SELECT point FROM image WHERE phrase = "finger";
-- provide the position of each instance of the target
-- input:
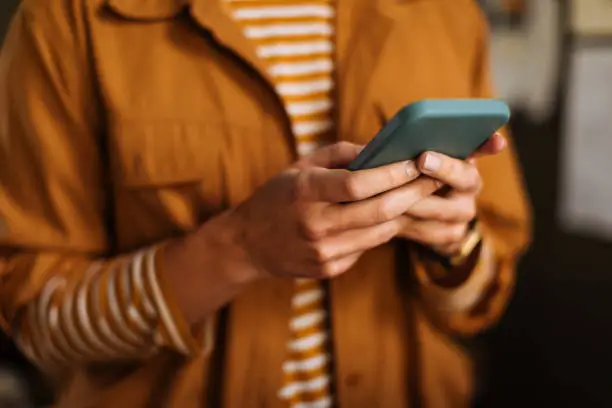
(459, 174)
(448, 250)
(351, 242)
(379, 209)
(452, 208)
(333, 268)
(434, 233)
(341, 186)
(337, 155)
(494, 145)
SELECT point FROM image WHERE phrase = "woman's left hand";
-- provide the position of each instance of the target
(441, 221)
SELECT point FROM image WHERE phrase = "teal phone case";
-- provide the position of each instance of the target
(454, 127)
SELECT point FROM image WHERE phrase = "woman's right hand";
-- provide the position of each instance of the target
(315, 219)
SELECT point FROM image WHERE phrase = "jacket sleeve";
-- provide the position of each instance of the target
(62, 297)
(505, 223)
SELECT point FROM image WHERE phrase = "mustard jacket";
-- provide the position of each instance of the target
(128, 122)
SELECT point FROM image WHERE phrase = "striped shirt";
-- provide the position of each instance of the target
(295, 40)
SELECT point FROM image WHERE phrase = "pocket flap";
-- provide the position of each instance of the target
(148, 153)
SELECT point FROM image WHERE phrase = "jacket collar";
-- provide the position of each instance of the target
(163, 9)
(147, 9)
(209, 14)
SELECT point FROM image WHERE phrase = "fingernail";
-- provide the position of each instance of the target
(432, 162)
(411, 169)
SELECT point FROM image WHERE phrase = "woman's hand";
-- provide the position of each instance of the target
(315, 220)
(441, 221)
(312, 220)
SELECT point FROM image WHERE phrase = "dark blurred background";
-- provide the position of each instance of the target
(554, 346)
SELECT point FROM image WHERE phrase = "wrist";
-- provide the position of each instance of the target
(206, 269)
(465, 295)
(220, 241)
(453, 270)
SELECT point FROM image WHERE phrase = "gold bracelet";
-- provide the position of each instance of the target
(470, 242)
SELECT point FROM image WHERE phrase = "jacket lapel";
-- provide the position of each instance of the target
(212, 16)
(370, 313)
(361, 31)
(209, 15)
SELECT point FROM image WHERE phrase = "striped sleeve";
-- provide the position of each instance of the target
(101, 311)
(478, 302)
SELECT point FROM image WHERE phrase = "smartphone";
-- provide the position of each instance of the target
(454, 127)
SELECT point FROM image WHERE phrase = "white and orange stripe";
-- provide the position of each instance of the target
(116, 310)
(295, 39)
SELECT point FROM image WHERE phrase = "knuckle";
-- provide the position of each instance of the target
(471, 210)
(391, 176)
(324, 271)
(351, 186)
(473, 178)
(321, 253)
(428, 187)
(387, 233)
(450, 167)
(438, 239)
(464, 210)
(446, 236)
(335, 149)
(454, 234)
(313, 231)
(459, 232)
(417, 191)
(329, 270)
(439, 213)
(309, 222)
(301, 185)
(420, 232)
(384, 210)
(342, 145)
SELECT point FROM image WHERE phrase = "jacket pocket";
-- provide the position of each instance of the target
(148, 153)
(168, 177)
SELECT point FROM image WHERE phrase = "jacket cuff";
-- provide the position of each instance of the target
(464, 297)
(173, 331)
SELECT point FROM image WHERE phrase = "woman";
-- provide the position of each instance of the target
(171, 203)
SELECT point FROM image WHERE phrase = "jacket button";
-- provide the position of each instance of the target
(352, 380)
